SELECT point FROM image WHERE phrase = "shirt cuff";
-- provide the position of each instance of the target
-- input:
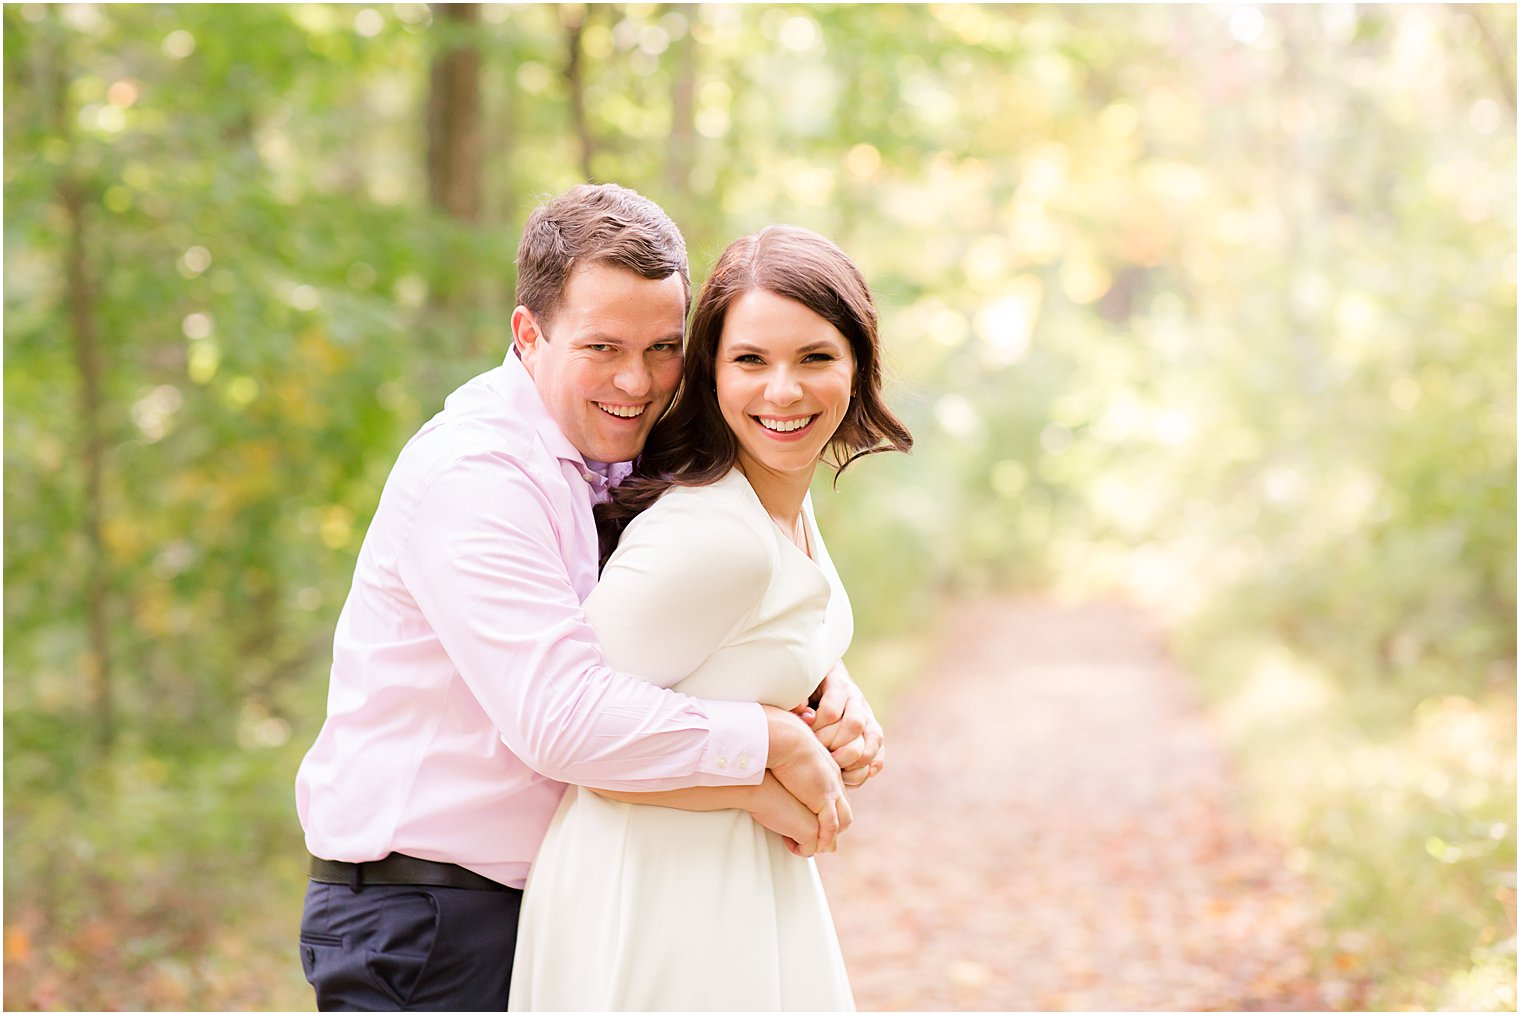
(739, 745)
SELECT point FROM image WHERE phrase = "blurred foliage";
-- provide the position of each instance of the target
(1210, 306)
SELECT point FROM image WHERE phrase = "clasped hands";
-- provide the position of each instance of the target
(831, 743)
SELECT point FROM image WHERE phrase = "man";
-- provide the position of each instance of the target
(466, 687)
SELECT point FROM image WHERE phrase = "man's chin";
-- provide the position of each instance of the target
(618, 451)
(613, 442)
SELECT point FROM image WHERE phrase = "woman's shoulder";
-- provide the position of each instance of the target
(728, 501)
(716, 516)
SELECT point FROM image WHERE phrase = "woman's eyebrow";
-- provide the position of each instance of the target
(822, 345)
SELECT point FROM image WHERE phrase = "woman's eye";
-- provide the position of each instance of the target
(748, 357)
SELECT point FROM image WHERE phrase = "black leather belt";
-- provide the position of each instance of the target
(400, 869)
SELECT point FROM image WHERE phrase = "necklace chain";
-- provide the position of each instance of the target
(798, 535)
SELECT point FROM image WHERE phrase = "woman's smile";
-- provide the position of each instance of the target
(790, 428)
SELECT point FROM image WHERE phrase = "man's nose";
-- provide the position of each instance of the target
(634, 378)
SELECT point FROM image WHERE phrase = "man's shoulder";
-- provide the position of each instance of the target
(480, 419)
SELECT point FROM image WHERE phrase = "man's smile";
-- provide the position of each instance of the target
(622, 411)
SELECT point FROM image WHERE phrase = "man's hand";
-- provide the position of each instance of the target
(804, 767)
(844, 723)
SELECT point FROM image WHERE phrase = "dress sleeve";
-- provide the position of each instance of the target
(483, 564)
(684, 578)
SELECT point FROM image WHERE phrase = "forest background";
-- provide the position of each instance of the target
(1208, 307)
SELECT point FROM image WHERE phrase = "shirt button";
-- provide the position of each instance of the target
(722, 762)
(744, 760)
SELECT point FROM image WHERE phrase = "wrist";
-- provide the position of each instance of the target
(753, 797)
(784, 733)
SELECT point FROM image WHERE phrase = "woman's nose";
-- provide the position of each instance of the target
(782, 388)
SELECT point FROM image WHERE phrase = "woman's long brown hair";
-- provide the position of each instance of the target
(692, 444)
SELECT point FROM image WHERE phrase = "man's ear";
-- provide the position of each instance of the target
(526, 336)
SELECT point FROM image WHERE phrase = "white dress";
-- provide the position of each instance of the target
(634, 907)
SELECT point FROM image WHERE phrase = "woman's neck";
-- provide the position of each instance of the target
(780, 493)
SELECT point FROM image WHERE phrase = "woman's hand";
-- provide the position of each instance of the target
(776, 809)
(844, 723)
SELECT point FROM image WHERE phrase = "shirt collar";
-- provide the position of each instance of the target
(522, 393)
(613, 472)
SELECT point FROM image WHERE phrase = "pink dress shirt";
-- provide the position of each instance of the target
(467, 688)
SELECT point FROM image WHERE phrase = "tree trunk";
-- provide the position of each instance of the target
(683, 101)
(88, 360)
(85, 336)
(454, 115)
(1497, 55)
(573, 17)
(1300, 179)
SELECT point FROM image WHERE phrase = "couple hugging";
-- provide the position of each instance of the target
(601, 641)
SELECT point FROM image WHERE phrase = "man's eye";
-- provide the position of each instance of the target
(666, 347)
(599, 347)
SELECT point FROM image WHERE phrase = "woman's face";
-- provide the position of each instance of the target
(784, 378)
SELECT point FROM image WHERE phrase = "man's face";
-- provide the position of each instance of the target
(609, 360)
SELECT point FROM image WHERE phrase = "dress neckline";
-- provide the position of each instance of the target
(804, 518)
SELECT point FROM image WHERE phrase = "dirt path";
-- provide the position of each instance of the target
(1057, 829)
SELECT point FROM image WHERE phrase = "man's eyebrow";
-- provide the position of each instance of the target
(601, 338)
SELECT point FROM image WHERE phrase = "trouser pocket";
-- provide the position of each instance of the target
(367, 951)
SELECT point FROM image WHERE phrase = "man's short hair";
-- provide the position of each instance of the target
(595, 223)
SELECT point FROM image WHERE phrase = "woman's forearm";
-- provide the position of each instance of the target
(695, 798)
(768, 803)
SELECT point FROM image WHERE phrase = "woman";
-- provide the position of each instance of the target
(720, 586)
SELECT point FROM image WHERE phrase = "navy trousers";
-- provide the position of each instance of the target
(409, 948)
